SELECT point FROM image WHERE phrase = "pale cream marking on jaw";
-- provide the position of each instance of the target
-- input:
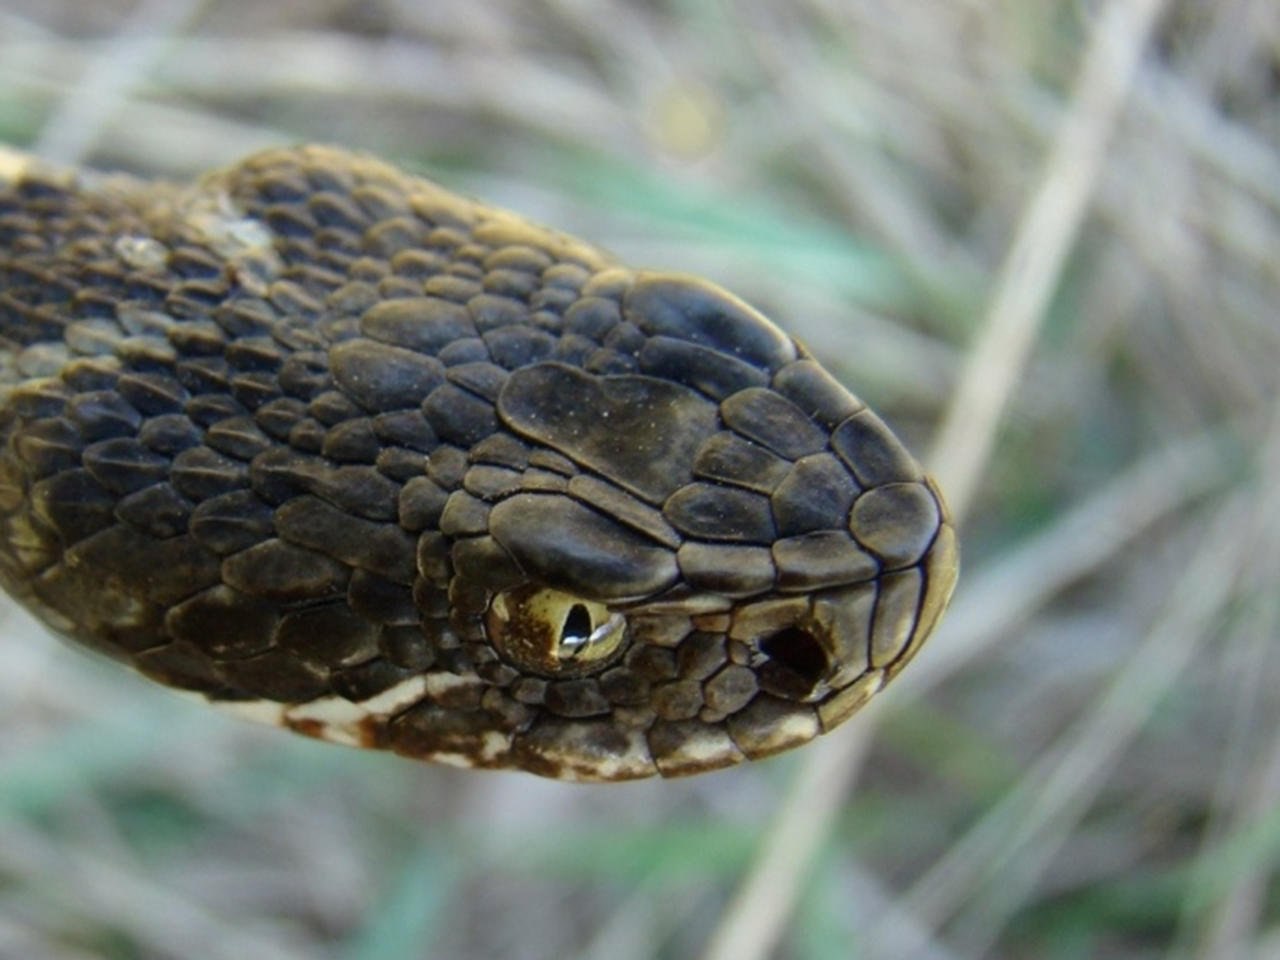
(848, 701)
(327, 710)
(797, 728)
(709, 749)
(440, 683)
(399, 697)
(632, 762)
(343, 738)
(259, 711)
(495, 745)
(607, 772)
(339, 720)
(628, 765)
(451, 759)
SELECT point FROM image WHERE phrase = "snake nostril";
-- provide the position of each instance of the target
(796, 662)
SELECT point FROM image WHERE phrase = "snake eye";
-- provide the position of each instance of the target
(551, 632)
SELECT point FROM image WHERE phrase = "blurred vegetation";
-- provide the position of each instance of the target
(1091, 767)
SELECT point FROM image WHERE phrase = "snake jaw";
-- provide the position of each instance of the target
(337, 449)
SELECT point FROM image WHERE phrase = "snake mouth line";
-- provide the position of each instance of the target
(803, 689)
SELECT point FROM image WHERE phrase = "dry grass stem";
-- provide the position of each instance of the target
(1045, 235)
(1094, 769)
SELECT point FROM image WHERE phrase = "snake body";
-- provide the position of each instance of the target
(330, 446)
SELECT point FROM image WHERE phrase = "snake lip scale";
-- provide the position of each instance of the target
(331, 447)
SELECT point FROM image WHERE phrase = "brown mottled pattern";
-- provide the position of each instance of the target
(300, 436)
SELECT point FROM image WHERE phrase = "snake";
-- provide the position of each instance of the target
(320, 442)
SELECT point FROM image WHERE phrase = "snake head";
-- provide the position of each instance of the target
(332, 447)
(695, 552)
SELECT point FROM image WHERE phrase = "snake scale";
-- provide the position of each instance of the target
(332, 447)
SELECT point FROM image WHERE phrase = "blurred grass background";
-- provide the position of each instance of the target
(1084, 762)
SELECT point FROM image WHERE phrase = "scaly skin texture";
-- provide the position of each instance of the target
(331, 446)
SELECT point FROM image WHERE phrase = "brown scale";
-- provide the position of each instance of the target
(341, 450)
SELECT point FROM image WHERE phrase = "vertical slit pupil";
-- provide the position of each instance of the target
(577, 626)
